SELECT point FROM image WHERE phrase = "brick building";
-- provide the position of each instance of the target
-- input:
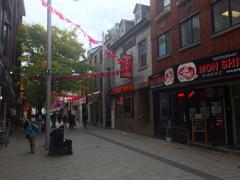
(11, 13)
(195, 85)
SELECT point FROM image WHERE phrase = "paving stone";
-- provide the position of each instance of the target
(101, 154)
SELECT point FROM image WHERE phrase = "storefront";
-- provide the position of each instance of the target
(94, 106)
(123, 96)
(199, 101)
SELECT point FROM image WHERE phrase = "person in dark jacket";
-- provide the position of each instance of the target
(84, 120)
(71, 119)
(53, 119)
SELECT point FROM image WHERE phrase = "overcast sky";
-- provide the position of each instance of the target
(94, 16)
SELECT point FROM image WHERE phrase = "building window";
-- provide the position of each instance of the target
(190, 31)
(164, 45)
(6, 39)
(1, 20)
(138, 15)
(142, 53)
(95, 60)
(163, 5)
(226, 13)
(101, 56)
(182, 2)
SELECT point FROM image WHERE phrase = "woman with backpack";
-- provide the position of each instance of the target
(31, 134)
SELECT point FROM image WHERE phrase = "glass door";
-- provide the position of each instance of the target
(237, 119)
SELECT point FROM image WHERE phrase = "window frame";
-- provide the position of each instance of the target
(161, 7)
(140, 64)
(95, 59)
(138, 15)
(229, 9)
(192, 38)
(1, 24)
(6, 40)
(168, 49)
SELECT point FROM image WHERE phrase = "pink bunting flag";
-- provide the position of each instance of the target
(68, 20)
(60, 15)
(44, 3)
(106, 52)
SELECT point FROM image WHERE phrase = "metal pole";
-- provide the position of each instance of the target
(103, 84)
(49, 71)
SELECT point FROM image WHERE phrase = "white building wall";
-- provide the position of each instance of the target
(141, 76)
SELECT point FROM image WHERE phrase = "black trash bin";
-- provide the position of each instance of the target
(57, 144)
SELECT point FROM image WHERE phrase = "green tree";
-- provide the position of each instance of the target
(67, 56)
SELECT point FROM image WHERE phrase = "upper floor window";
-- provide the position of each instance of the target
(164, 44)
(163, 5)
(122, 29)
(226, 13)
(95, 60)
(142, 52)
(101, 56)
(138, 15)
(190, 31)
(1, 20)
(6, 39)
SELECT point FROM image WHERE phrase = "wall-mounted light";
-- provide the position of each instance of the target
(1, 98)
(234, 14)
(181, 94)
(11, 72)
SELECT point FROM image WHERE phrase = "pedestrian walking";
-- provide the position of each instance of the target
(71, 119)
(26, 123)
(53, 119)
(65, 120)
(31, 134)
(84, 120)
(59, 117)
(39, 121)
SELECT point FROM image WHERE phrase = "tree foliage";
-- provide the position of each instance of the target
(67, 56)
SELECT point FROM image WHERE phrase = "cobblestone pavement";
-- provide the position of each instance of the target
(110, 154)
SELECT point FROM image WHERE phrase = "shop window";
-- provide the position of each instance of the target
(165, 110)
(164, 45)
(142, 53)
(190, 31)
(226, 13)
(119, 105)
(128, 107)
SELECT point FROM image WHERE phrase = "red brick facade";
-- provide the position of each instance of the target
(210, 43)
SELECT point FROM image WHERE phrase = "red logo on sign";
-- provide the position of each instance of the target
(187, 72)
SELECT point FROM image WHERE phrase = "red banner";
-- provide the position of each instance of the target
(126, 66)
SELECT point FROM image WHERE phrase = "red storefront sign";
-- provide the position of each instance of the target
(126, 66)
(123, 89)
(223, 65)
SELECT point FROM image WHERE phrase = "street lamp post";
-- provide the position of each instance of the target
(49, 76)
(103, 84)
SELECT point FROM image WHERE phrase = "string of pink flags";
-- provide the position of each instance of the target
(53, 10)
(124, 61)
